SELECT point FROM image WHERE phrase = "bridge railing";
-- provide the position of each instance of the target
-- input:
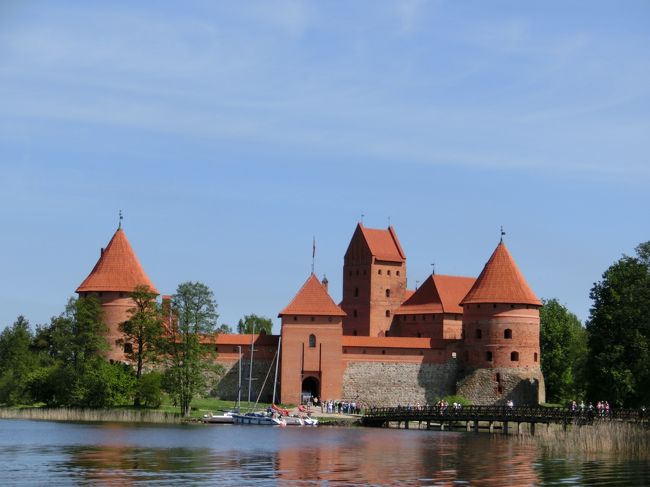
(517, 413)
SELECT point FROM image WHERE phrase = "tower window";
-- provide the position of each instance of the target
(313, 318)
(535, 356)
(128, 348)
(507, 334)
(419, 335)
(312, 341)
(354, 313)
(397, 272)
(379, 272)
(424, 317)
(494, 305)
(354, 332)
(295, 318)
(514, 356)
(388, 293)
(356, 292)
(488, 356)
(479, 334)
(387, 313)
(388, 272)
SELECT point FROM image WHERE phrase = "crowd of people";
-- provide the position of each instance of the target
(602, 408)
(336, 406)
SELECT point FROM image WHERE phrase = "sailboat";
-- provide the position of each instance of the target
(269, 418)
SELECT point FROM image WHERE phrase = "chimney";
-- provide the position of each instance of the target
(325, 282)
(101, 251)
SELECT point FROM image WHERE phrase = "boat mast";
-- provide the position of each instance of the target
(277, 362)
(239, 384)
(250, 372)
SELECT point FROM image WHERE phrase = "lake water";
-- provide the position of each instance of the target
(52, 454)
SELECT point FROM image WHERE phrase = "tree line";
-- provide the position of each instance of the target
(63, 364)
(609, 358)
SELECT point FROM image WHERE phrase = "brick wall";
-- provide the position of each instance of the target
(524, 386)
(392, 384)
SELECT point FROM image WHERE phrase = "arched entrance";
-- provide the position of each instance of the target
(310, 388)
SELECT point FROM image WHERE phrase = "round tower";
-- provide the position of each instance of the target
(501, 351)
(114, 277)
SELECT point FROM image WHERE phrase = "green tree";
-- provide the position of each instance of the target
(16, 361)
(142, 331)
(254, 324)
(563, 343)
(223, 328)
(78, 335)
(194, 326)
(618, 363)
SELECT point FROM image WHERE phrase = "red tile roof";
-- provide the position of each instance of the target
(312, 299)
(117, 269)
(501, 282)
(383, 244)
(452, 290)
(438, 294)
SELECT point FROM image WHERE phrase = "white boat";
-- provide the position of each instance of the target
(225, 418)
(309, 421)
(258, 418)
(293, 421)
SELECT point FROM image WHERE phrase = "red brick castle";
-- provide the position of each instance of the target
(383, 344)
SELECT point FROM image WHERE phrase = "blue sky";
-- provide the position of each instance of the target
(231, 135)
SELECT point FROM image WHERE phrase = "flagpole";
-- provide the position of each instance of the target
(313, 253)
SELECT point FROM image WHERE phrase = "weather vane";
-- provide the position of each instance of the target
(502, 233)
(362, 215)
(433, 269)
(121, 218)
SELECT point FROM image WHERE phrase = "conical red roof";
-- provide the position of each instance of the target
(117, 269)
(501, 282)
(312, 299)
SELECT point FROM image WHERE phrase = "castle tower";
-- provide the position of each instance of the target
(311, 345)
(374, 281)
(501, 336)
(114, 277)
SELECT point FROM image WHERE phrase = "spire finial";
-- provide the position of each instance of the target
(433, 269)
(120, 222)
(313, 253)
(502, 234)
(417, 283)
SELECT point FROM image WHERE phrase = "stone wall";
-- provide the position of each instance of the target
(524, 386)
(226, 386)
(392, 384)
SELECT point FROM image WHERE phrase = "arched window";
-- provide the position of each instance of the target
(514, 356)
(507, 334)
(387, 313)
(488, 356)
(312, 340)
(388, 293)
(535, 356)
(379, 272)
(479, 334)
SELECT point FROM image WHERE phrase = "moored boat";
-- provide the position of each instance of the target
(225, 418)
(258, 418)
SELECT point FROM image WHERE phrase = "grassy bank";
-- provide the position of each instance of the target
(118, 415)
(617, 438)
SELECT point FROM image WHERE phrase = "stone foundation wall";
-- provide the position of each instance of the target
(524, 386)
(392, 384)
(225, 387)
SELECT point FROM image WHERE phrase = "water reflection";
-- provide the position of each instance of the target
(64, 453)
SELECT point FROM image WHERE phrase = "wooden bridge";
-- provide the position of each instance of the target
(491, 417)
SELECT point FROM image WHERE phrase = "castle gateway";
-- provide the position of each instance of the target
(383, 344)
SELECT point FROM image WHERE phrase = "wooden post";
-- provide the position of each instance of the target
(532, 429)
(504, 427)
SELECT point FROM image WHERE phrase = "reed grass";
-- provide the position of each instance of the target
(612, 437)
(91, 415)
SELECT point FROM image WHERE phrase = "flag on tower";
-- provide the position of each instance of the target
(313, 248)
